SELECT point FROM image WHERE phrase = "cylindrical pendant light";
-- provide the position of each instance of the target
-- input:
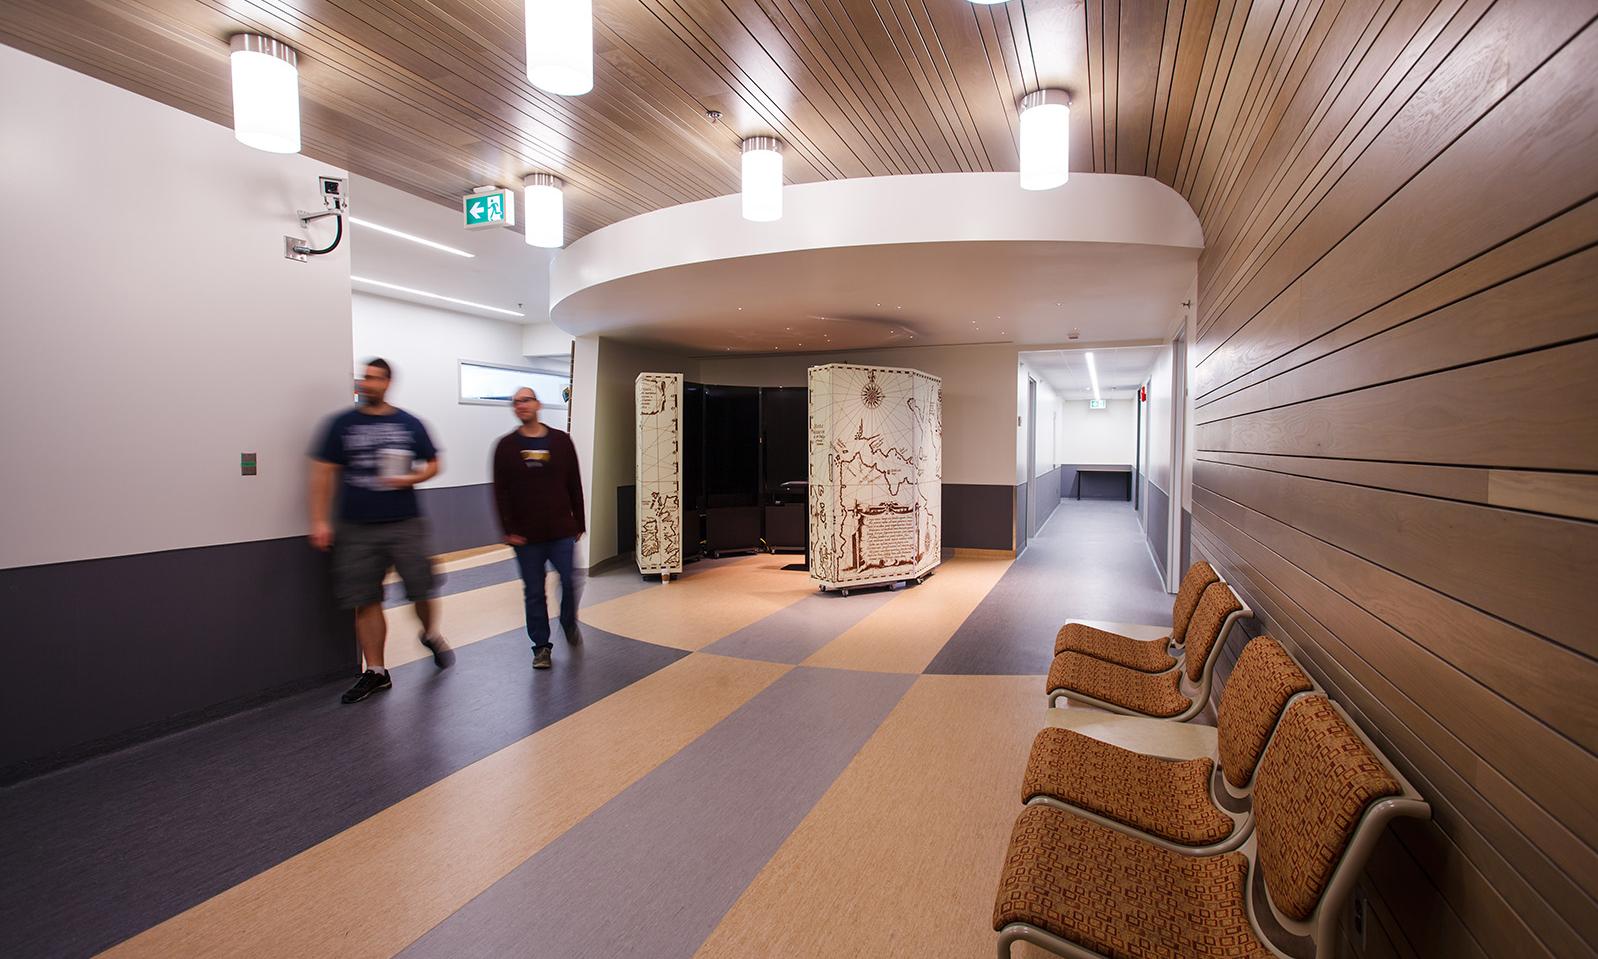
(546, 210)
(762, 179)
(560, 45)
(266, 94)
(1045, 139)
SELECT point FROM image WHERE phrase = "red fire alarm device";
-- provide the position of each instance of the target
(1142, 394)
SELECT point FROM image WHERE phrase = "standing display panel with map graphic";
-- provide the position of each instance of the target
(659, 410)
(876, 475)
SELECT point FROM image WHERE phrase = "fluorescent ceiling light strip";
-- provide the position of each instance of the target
(434, 296)
(406, 236)
(1093, 376)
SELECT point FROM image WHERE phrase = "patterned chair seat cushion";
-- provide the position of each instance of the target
(1152, 694)
(1122, 896)
(1144, 655)
(1163, 797)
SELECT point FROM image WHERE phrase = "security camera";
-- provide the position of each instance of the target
(335, 192)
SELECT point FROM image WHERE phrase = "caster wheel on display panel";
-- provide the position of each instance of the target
(845, 592)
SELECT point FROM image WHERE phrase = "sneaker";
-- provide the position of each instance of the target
(573, 634)
(541, 658)
(370, 682)
(443, 656)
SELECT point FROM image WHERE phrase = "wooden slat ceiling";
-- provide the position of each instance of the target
(431, 97)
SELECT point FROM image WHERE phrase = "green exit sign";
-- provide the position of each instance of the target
(1095, 404)
(493, 207)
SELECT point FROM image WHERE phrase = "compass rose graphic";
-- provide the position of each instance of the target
(871, 394)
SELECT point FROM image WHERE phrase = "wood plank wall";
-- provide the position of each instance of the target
(1396, 389)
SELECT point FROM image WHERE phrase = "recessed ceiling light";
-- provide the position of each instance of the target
(368, 224)
(433, 296)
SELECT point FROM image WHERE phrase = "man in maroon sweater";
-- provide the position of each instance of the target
(540, 498)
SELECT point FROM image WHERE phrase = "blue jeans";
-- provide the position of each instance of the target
(532, 559)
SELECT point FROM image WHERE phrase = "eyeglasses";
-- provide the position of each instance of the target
(525, 399)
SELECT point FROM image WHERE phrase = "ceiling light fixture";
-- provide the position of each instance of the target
(560, 46)
(1045, 139)
(762, 179)
(266, 93)
(433, 296)
(368, 224)
(1093, 375)
(546, 210)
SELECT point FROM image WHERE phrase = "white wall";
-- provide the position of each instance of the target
(585, 434)
(1158, 467)
(979, 408)
(1107, 436)
(424, 344)
(153, 330)
(1048, 429)
(1043, 430)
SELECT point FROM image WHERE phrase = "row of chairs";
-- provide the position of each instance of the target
(1247, 846)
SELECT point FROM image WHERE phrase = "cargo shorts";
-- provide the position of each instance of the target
(364, 552)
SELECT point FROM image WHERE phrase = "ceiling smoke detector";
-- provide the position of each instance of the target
(1074, 335)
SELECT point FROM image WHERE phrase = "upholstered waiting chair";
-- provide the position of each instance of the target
(1323, 797)
(1170, 802)
(1118, 689)
(1150, 651)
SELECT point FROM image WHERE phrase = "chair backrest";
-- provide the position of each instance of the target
(1197, 578)
(1217, 603)
(1262, 682)
(1315, 784)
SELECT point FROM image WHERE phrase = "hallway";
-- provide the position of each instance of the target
(724, 770)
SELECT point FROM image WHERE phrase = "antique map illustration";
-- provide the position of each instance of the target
(876, 473)
(658, 398)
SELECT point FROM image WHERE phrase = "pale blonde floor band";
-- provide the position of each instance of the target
(464, 618)
(713, 599)
(463, 559)
(902, 855)
(903, 634)
(376, 887)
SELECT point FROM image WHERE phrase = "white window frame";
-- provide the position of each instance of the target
(460, 383)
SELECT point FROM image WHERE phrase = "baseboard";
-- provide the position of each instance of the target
(975, 553)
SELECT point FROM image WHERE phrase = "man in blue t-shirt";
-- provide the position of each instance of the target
(370, 455)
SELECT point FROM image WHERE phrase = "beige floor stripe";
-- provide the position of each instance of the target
(465, 618)
(901, 857)
(714, 598)
(905, 633)
(378, 886)
(465, 559)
